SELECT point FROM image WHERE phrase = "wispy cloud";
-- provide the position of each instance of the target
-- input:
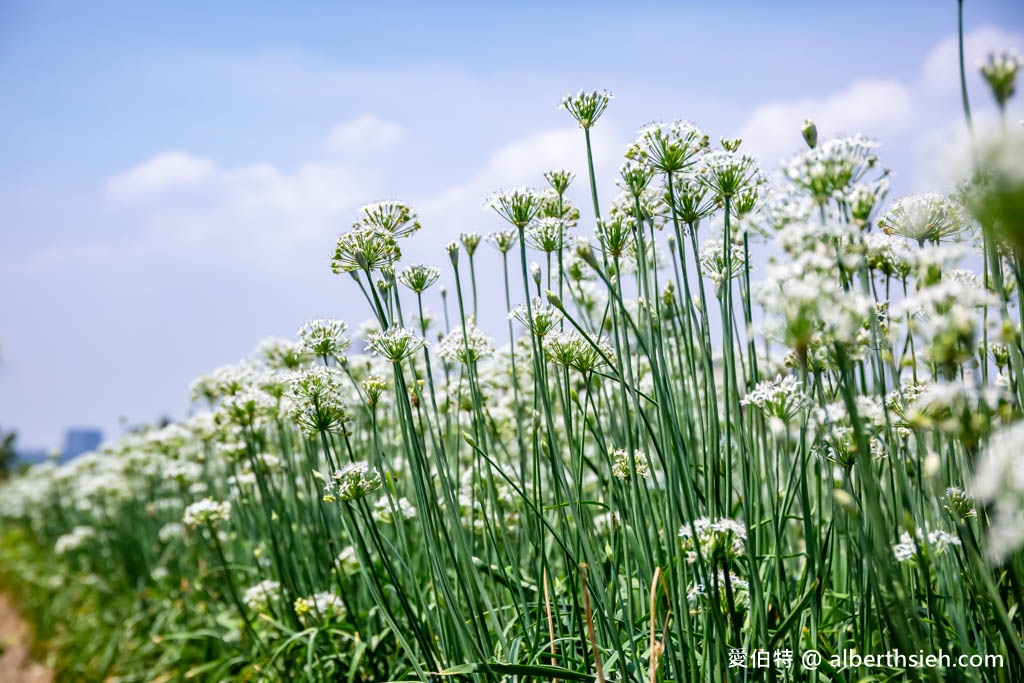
(925, 112)
(166, 171)
(460, 207)
(192, 208)
(365, 134)
(881, 108)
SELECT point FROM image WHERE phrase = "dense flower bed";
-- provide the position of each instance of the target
(675, 453)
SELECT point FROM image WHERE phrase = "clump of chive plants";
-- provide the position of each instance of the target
(665, 457)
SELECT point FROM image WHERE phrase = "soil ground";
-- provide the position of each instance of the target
(16, 665)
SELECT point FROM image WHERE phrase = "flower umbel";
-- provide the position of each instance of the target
(586, 107)
(503, 240)
(547, 235)
(728, 173)
(927, 217)
(559, 180)
(468, 347)
(366, 249)
(781, 397)
(719, 539)
(518, 207)
(351, 482)
(396, 344)
(544, 316)
(208, 511)
(1000, 72)
(317, 401)
(324, 337)
(571, 349)
(625, 466)
(258, 598)
(910, 546)
(668, 147)
(390, 216)
(419, 277)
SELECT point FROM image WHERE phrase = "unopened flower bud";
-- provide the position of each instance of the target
(810, 133)
(845, 501)
(731, 144)
(453, 252)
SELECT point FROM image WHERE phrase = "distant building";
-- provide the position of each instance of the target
(78, 441)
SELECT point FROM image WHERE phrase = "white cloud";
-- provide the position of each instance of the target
(195, 209)
(165, 171)
(522, 162)
(365, 134)
(925, 113)
(941, 71)
(258, 214)
(876, 108)
(262, 212)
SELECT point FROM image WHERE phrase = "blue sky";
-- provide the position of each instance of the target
(174, 174)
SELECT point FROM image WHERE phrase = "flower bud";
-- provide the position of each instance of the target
(810, 133)
(1000, 73)
(731, 144)
(845, 501)
(453, 253)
